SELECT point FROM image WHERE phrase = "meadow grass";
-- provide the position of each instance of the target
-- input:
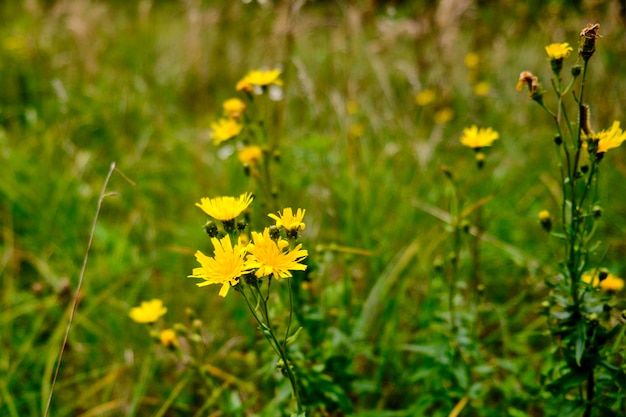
(84, 84)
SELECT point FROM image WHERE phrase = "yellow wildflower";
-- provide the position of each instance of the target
(234, 107)
(225, 208)
(272, 257)
(225, 129)
(558, 50)
(482, 89)
(288, 221)
(609, 138)
(225, 267)
(609, 283)
(250, 155)
(478, 138)
(444, 115)
(425, 97)
(148, 311)
(472, 60)
(168, 338)
(261, 78)
(352, 107)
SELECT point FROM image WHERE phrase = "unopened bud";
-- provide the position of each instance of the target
(211, 228)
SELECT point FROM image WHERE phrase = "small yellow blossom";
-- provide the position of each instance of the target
(272, 257)
(610, 283)
(352, 107)
(148, 311)
(544, 215)
(250, 155)
(234, 107)
(168, 338)
(356, 130)
(558, 50)
(444, 115)
(288, 220)
(225, 129)
(478, 138)
(472, 60)
(225, 267)
(482, 89)
(225, 208)
(261, 78)
(608, 138)
(425, 97)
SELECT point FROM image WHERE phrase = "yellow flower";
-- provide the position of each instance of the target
(234, 107)
(225, 267)
(225, 208)
(444, 115)
(352, 107)
(288, 221)
(425, 97)
(148, 311)
(168, 338)
(356, 130)
(482, 89)
(250, 155)
(261, 78)
(609, 138)
(478, 138)
(544, 215)
(472, 60)
(225, 129)
(610, 283)
(558, 50)
(272, 257)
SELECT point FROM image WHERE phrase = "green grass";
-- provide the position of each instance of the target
(84, 84)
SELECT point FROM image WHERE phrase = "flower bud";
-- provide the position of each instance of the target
(558, 140)
(545, 219)
(597, 211)
(211, 228)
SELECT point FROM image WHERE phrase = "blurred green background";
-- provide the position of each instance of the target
(87, 83)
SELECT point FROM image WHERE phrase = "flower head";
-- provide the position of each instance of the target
(472, 60)
(482, 89)
(558, 50)
(148, 311)
(168, 338)
(225, 129)
(271, 257)
(444, 115)
(225, 267)
(288, 220)
(225, 208)
(609, 282)
(250, 155)
(261, 78)
(234, 107)
(478, 138)
(608, 138)
(425, 97)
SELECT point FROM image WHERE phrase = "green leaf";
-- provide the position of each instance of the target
(294, 337)
(581, 337)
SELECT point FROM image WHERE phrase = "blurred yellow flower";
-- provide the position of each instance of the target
(425, 97)
(482, 89)
(225, 267)
(168, 338)
(472, 60)
(288, 220)
(356, 130)
(224, 129)
(261, 78)
(234, 107)
(610, 283)
(444, 115)
(148, 311)
(478, 138)
(250, 155)
(352, 107)
(272, 258)
(558, 50)
(609, 138)
(225, 208)
(544, 215)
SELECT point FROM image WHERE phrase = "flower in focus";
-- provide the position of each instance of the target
(225, 208)
(425, 97)
(444, 115)
(234, 107)
(225, 267)
(168, 338)
(261, 78)
(272, 257)
(148, 311)
(558, 50)
(478, 138)
(288, 221)
(225, 129)
(250, 155)
(609, 283)
(608, 138)
(482, 89)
